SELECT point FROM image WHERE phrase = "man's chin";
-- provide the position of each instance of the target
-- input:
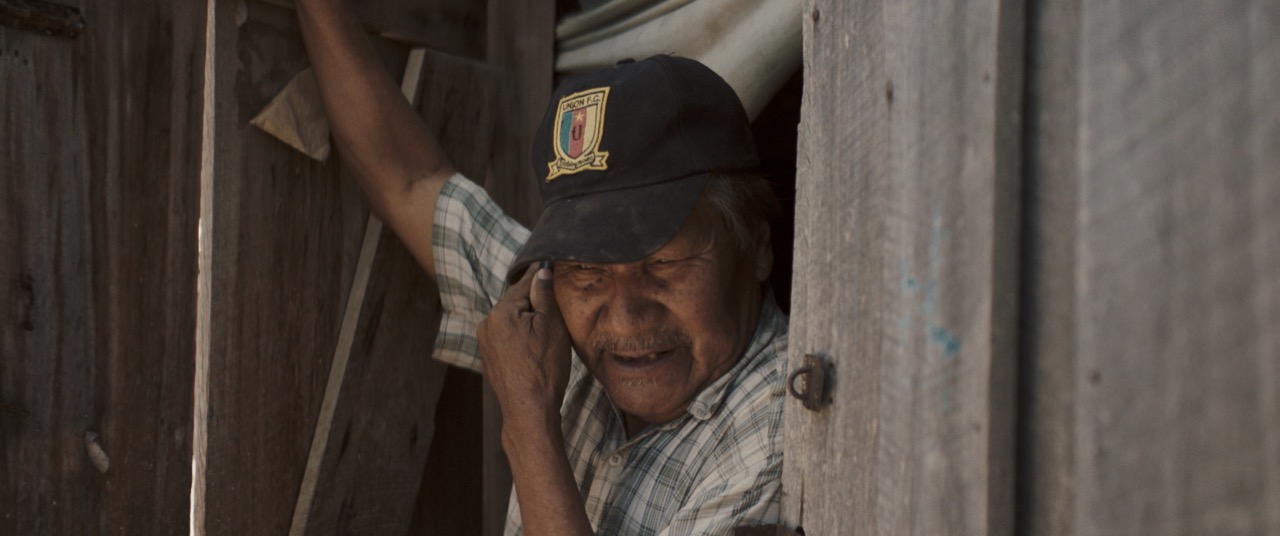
(652, 408)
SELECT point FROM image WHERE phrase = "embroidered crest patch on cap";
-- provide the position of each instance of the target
(674, 123)
(578, 128)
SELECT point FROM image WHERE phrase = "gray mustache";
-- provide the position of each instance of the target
(650, 341)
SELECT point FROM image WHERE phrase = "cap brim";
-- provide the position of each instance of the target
(610, 227)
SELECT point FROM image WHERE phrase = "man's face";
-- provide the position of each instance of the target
(658, 330)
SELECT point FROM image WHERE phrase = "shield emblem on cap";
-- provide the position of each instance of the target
(578, 129)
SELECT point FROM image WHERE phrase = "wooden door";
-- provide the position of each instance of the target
(98, 209)
(905, 274)
(1108, 231)
(1152, 316)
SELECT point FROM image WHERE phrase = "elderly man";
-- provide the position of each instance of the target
(648, 264)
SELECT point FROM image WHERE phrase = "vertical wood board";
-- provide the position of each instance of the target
(521, 48)
(46, 340)
(285, 234)
(905, 268)
(1178, 387)
(97, 226)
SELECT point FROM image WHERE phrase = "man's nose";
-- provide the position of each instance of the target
(632, 307)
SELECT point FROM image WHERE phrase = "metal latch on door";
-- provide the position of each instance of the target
(811, 383)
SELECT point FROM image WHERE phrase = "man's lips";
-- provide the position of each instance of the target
(642, 359)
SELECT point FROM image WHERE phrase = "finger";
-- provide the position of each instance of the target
(520, 289)
(542, 293)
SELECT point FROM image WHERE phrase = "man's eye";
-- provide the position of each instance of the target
(579, 270)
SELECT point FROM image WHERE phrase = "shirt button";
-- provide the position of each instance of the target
(615, 460)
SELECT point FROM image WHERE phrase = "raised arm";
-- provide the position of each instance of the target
(384, 142)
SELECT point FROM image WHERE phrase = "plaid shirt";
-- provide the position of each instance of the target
(716, 467)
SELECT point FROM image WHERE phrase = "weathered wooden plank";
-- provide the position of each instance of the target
(46, 340)
(97, 226)
(459, 104)
(283, 232)
(385, 419)
(905, 267)
(145, 324)
(521, 46)
(1177, 415)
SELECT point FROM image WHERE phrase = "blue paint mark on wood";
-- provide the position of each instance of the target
(937, 335)
(947, 340)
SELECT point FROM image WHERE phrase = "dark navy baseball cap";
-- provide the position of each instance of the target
(623, 154)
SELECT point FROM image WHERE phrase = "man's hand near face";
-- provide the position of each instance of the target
(525, 351)
(526, 358)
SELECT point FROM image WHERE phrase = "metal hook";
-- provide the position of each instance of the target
(816, 372)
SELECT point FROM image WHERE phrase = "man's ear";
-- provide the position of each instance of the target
(764, 251)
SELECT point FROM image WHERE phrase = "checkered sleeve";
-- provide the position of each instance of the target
(473, 243)
(743, 486)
